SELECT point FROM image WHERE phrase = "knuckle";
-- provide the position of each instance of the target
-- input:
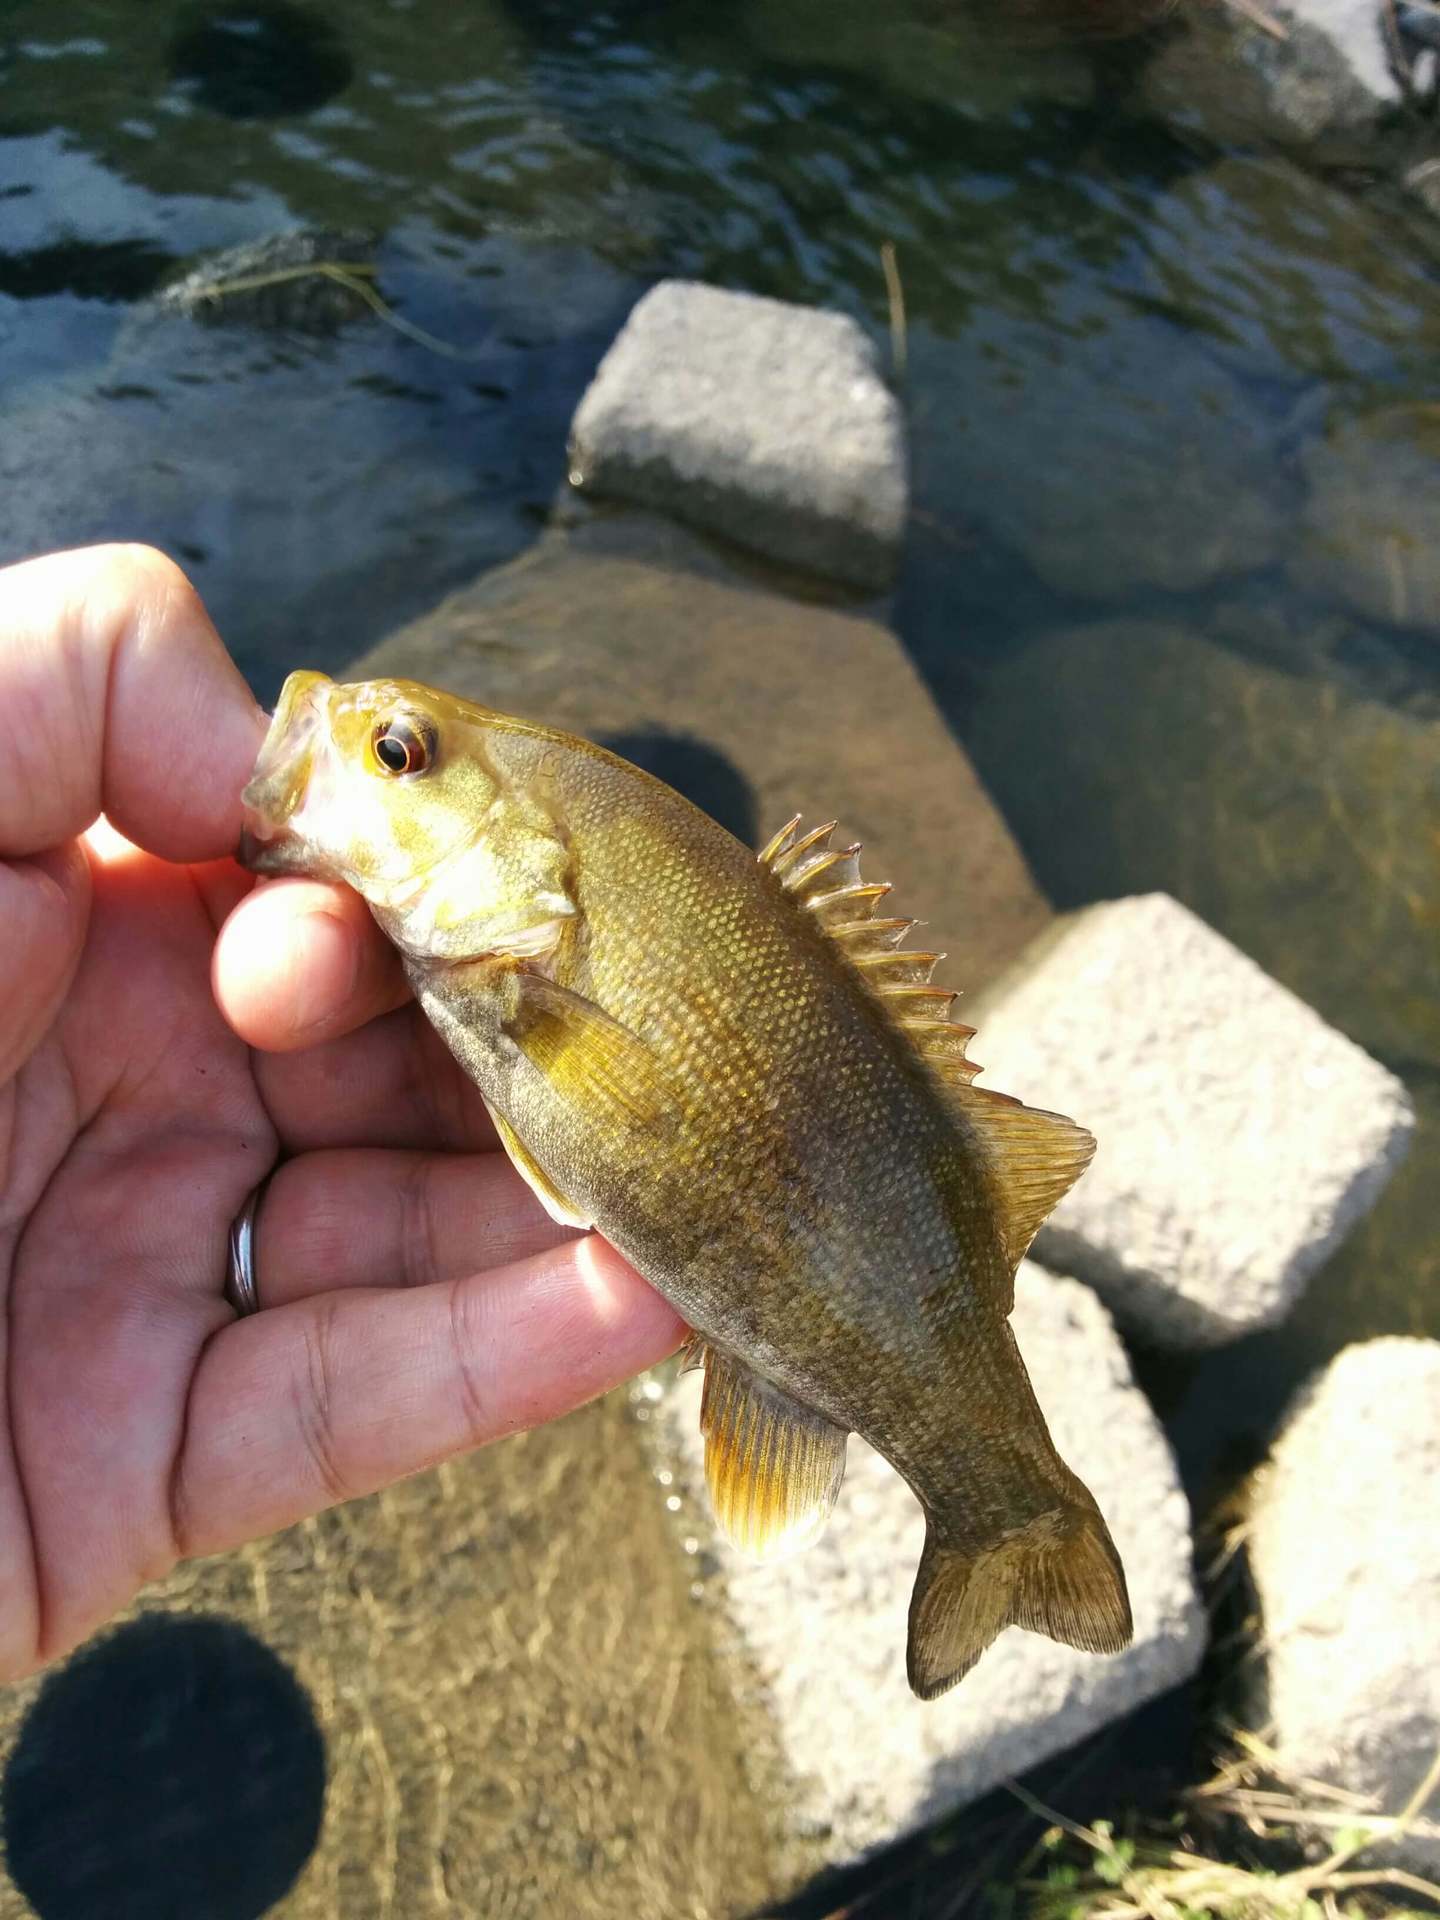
(315, 1405)
(419, 1259)
(477, 1414)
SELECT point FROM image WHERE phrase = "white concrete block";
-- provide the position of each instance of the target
(1345, 1554)
(765, 422)
(1239, 1135)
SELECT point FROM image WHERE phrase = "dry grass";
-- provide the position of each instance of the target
(1093, 1873)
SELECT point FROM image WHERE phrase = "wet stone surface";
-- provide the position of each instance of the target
(1321, 79)
(275, 283)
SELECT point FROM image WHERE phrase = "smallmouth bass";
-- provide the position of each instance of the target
(732, 1068)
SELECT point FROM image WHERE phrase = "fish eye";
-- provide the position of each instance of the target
(401, 745)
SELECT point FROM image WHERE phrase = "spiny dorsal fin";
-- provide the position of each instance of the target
(1035, 1157)
(828, 884)
(772, 1466)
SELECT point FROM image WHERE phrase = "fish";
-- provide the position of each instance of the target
(732, 1067)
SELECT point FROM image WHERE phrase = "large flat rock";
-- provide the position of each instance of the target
(1240, 1136)
(1345, 1554)
(823, 1634)
(756, 705)
(763, 421)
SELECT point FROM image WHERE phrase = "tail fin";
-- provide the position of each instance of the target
(1060, 1575)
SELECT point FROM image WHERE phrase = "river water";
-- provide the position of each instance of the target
(1171, 403)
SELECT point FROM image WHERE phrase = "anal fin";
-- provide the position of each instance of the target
(541, 1185)
(773, 1466)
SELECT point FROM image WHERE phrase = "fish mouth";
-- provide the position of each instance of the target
(276, 789)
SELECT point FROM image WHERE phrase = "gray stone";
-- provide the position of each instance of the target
(1322, 81)
(1345, 1555)
(823, 1634)
(1371, 528)
(629, 629)
(765, 422)
(1355, 29)
(1240, 1136)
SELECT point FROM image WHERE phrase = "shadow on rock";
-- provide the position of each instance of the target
(702, 773)
(173, 1767)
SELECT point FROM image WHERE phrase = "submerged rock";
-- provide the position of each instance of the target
(823, 1634)
(1128, 459)
(1345, 1555)
(1371, 527)
(1240, 1137)
(275, 283)
(1294, 813)
(961, 57)
(766, 422)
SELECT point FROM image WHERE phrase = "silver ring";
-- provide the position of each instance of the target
(240, 1288)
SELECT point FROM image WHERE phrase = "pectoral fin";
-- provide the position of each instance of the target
(541, 1185)
(772, 1466)
(590, 1059)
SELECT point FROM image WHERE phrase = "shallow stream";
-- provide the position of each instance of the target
(1171, 398)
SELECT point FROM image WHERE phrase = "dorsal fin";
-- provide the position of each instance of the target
(1034, 1157)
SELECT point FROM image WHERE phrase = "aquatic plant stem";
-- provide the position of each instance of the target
(1258, 16)
(896, 292)
(354, 277)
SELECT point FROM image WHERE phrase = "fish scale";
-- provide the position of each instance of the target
(732, 1068)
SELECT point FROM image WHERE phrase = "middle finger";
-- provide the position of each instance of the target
(365, 1217)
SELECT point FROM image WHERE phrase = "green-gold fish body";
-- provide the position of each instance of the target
(730, 1067)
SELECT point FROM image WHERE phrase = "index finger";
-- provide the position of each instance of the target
(119, 698)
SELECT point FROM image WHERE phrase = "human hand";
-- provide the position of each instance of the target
(415, 1301)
